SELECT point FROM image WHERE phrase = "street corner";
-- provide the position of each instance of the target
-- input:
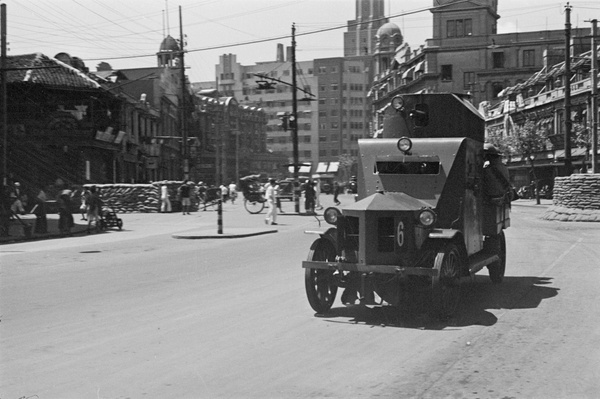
(239, 232)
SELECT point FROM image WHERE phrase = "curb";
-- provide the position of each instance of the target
(237, 233)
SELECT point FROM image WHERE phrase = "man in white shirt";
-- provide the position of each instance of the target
(271, 197)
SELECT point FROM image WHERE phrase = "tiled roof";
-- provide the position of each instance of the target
(59, 75)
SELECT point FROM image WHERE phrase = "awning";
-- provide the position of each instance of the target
(408, 74)
(420, 67)
(333, 167)
(322, 167)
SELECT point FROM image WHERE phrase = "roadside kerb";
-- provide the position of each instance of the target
(233, 232)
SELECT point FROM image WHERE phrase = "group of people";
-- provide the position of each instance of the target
(188, 190)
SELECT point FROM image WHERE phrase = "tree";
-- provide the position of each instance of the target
(527, 140)
(346, 162)
(582, 137)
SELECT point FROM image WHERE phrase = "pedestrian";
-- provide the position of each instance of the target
(232, 192)
(39, 210)
(184, 193)
(65, 217)
(271, 197)
(318, 205)
(85, 195)
(94, 208)
(224, 192)
(336, 192)
(165, 202)
(16, 198)
(309, 197)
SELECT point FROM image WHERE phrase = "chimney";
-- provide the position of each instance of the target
(288, 53)
(279, 53)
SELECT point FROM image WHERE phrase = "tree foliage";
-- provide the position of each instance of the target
(346, 162)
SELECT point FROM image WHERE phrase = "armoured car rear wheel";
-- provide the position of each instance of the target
(254, 206)
(446, 287)
(497, 245)
(319, 283)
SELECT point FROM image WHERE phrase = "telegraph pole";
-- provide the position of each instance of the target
(3, 109)
(594, 103)
(295, 124)
(183, 116)
(568, 123)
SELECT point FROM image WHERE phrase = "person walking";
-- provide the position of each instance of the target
(318, 205)
(232, 192)
(65, 217)
(165, 202)
(94, 204)
(85, 196)
(336, 192)
(16, 197)
(184, 193)
(309, 197)
(271, 197)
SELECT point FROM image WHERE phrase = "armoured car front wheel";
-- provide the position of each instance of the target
(319, 283)
(446, 287)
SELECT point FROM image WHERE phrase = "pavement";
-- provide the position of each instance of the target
(190, 229)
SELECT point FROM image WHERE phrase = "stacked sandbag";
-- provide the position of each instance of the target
(576, 198)
(126, 198)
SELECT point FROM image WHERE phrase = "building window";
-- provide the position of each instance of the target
(497, 87)
(322, 153)
(446, 72)
(459, 28)
(286, 72)
(334, 86)
(335, 125)
(498, 60)
(469, 81)
(334, 153)
(322, 139)
(528, 58)
(322, 70)
(307, 154)
(306, 139)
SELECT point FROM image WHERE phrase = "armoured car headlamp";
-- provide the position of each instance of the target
(404, 144)
(427, 217)
(398, 103)
(331, 215)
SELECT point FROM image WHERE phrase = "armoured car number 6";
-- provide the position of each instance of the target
(400, 235)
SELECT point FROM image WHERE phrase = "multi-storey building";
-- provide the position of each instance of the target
(337, 114)
(465, 55)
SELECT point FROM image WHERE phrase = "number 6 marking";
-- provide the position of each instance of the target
(400, 234)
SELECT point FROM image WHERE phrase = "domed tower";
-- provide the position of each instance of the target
(169, 52)
(388, 39)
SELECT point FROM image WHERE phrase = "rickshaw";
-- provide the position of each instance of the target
(254, 196)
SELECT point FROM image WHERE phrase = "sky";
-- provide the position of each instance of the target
(128, 33)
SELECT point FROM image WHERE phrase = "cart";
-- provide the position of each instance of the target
(254, 198)
(108, 218)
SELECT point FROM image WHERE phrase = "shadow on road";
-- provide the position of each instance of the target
(477, 298)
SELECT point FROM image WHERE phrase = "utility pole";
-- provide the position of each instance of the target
(568, 123)
(594, 103)
(183, 116)
(295, 124)
(3, 108)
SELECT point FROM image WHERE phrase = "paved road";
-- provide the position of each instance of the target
(137, 314)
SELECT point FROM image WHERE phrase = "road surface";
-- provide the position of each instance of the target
(138, 314)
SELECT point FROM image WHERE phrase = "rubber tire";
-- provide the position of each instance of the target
(497, 245)
(446, 287)
(319, 284)
(254, 207)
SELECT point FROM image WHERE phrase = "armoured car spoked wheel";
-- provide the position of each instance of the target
(254, 206)
(497, 245)
(319, 283)
(446, 287)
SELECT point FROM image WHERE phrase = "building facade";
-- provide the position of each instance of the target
(465, 55)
